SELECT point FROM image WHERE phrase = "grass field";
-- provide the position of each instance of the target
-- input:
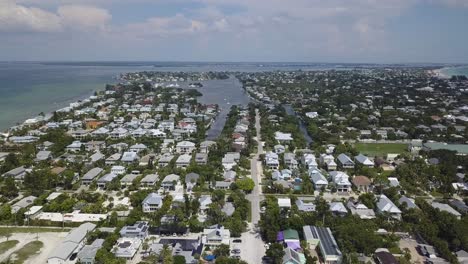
(380, 149)
(22, 254)
(12, 230)
(7, 245)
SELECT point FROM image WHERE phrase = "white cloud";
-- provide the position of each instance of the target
(17, 18)
(84, 17)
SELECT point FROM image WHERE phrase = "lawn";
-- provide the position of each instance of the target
(12, 230)
(7, 245)
(380, 149)
(30, 249)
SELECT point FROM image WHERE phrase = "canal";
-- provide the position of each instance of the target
(290, 111)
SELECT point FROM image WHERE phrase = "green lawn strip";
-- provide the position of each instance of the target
(22, 254)
(7, 245)
(380, 149)
(12, 230)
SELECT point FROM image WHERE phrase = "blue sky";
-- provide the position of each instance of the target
(381, 31)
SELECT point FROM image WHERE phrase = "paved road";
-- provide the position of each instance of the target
(256, 171)
(252, 247)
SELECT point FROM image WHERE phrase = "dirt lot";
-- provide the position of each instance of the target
(411, 245)
(51, 241)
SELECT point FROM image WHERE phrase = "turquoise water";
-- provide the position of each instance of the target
(455, 71)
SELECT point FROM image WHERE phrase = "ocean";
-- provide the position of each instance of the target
(29, 88)
(449, 71)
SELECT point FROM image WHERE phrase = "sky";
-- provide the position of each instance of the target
(375, 31)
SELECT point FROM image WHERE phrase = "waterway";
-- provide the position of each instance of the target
(225, 93)
(290, 111)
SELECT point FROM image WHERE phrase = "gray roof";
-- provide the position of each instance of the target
(91, 174)
(171, 178)
(89, 251)
(150, 178)
(129, 178)
(343, 159)
(228, 209)
(78, 234)
(191, 177)
(108, 177)
(64, 250)
(327, 241)
(71, 241)
(153, 198)
(408, 201)
(15, 171)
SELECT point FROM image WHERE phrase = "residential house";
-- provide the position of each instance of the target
(215, 236)
(152, 203)
(149, 180)
(222, 185)
(360, 209)
(386, 206)
(128, 179)
(205, 201)
(75, 146)
(341, 181)
(362, 183)
(290, 161)
(293, 256)
(119, 133)
(324, 239)
(328, 161)
(106, 179)
(23, 203)
(138, 230)
(43, 155)
(185, 147)
(279, 149)
(229, 176)
(165, 159)
(318, 179)
(283, 138)
(201, 158)
(113, 159)
(137, 148)
(119, 170)
(446, 208)
(305, 206)
(170, 181)
(363, 160)
(284, 203)
(345, 161)
(87, 254)
(271, 161)
(309, 160)
(191, 180)
(127, 247)
(338, 208)
(130, 157)
(90, 176)
(183, 161)
(408, 202)
(205, 146)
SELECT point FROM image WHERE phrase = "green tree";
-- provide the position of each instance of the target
(276, 253)
(222, 250)
(179, 259)
(246, 184)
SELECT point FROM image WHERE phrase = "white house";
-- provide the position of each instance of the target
(152, 203)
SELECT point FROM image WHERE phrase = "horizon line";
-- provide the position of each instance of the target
(246, 62)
